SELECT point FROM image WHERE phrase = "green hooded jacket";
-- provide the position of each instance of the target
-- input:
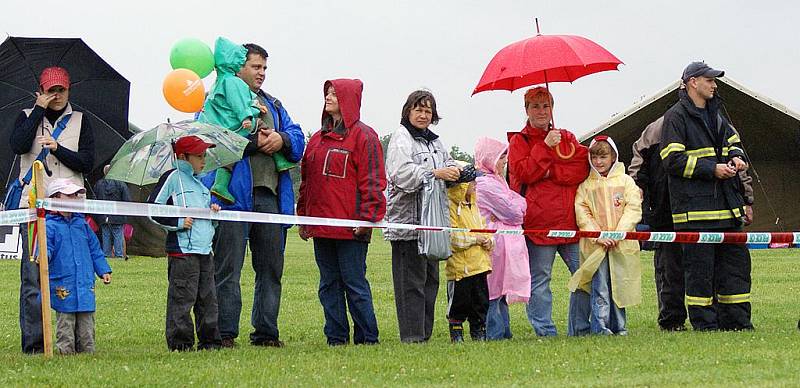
(230, 101)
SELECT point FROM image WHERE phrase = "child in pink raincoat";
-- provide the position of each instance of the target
(510, 280)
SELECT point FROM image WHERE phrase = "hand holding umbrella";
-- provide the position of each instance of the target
(543, 59)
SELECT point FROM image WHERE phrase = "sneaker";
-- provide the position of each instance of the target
(228, 343)
(272, 343)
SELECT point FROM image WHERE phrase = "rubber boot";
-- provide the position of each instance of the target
(281, 163)
(477, 332)
(456, 332)
(220, 187)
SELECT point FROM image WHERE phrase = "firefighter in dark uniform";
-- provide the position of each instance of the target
(702, 156)
(648, 172)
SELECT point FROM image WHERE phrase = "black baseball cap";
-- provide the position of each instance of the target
(700, 69)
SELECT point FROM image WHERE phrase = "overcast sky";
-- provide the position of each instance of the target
(444, 46)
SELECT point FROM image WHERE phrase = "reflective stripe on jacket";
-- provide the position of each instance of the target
(690, 151)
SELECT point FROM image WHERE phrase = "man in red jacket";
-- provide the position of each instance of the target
(343, 177)
(546, 165)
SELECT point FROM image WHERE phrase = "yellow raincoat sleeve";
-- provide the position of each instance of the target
(583, 209)
(633, 207)
(460, 241)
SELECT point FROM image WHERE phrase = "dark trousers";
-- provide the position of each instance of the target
(343, 284)
(75, 332)
(468, 300)
(416, 283)
(266, 247)
(718, 286)
(191, 287)
(30, 306)
(668, 265)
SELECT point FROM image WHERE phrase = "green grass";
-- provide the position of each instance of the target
(131, 349)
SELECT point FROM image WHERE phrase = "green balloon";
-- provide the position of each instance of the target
(192, 54)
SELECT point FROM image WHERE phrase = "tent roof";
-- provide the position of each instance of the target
(770, 135)
(770, 131)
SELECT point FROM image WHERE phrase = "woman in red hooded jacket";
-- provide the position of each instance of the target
(546, 166)
(343, 177)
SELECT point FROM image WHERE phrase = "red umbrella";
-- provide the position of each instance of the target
(542, 59)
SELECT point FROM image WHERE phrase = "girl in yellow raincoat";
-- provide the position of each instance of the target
(608, 200)
(467, 268)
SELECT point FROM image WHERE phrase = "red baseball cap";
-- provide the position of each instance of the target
(54, 76)
(191, 145)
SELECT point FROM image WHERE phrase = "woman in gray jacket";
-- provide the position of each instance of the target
(414, 155)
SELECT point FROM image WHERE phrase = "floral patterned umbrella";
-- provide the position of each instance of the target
(147, 155)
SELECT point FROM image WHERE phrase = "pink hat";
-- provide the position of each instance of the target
(54, 76)
(63, 186)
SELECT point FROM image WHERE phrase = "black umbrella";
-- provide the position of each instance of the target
(97, 90)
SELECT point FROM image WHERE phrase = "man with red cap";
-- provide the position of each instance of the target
(53, 132)
(190, 264)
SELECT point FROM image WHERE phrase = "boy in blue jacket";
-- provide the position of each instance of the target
(74, 257)
(190, 265)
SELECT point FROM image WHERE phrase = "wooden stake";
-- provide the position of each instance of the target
(44, 271)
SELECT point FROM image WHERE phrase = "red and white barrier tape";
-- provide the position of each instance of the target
(153, 210)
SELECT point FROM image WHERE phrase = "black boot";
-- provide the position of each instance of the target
(456, 332)
(477, 332)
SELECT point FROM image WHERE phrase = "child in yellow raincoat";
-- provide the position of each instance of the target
(466, 269)
(608, 200)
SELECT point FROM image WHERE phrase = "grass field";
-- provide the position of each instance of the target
(131, 349)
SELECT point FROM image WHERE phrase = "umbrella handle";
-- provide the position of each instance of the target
(569, 153)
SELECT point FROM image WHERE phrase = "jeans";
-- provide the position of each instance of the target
(266, 246)
(112, 232)
(607, 318)
(540, 306)
(30, 306)
(498, 325)
(343, 284)
(416, 284)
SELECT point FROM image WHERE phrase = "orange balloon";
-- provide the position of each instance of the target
(184, 90)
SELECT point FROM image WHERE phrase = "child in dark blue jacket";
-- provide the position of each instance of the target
(74, 258)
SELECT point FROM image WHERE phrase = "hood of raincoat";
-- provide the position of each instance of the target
(348, 92)
(229, 57)
(487, 152)
(615, 168)
(457, 193)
